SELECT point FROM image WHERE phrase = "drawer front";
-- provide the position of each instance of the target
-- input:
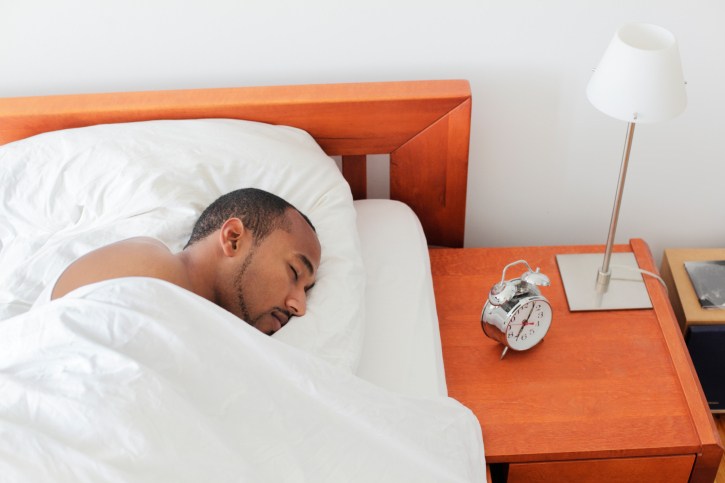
(705, 343)
(660, 469)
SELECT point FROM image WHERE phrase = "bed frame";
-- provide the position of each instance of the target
(423, 125)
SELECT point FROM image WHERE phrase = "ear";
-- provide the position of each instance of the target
(232, 237)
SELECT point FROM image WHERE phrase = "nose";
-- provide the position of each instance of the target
(297, 303)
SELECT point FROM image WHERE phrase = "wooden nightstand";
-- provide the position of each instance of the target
(607, 396)
(704, 329)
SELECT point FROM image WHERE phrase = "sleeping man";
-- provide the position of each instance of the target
(250, 252)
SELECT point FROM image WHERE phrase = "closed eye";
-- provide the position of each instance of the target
(294, 272)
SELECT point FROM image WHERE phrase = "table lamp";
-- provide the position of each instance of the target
(639, 80)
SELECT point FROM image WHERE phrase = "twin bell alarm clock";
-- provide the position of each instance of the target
(516, 314)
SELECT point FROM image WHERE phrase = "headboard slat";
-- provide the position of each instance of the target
(354, 169)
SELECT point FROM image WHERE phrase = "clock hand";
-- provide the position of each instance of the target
(526, 320)
(523, 325)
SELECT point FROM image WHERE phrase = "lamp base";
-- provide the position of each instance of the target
(626, 289)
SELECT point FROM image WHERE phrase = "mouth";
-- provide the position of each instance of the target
(281, 317)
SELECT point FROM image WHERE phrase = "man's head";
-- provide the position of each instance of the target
(262, 213)
(268, 255)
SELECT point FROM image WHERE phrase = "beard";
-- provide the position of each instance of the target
(239, 284)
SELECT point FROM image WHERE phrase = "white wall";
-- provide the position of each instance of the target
(543, 161)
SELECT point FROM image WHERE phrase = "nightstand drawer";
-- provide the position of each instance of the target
(662, 469)
(706, 343)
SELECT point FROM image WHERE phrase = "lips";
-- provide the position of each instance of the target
(281, 317)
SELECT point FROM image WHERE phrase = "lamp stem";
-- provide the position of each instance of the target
(604, 274)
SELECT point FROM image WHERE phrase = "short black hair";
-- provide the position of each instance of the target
(260, 211)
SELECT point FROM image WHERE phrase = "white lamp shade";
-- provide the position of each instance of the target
(639, 79)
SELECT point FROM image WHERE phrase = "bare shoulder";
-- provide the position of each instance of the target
(135, 257)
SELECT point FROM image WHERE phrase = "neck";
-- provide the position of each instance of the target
(199, 265)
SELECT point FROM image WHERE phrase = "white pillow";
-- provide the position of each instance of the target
(67, 192)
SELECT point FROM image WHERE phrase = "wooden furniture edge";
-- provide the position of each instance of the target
(428, 171)
(687, 306)
(424, 125)
(668, 277)
(707, 462)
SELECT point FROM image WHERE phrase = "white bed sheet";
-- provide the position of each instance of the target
(136, 379)
(121, 382)
(401, 348)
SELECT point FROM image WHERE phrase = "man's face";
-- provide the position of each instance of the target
(273, 279)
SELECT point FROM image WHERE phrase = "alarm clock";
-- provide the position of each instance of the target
(516, 314)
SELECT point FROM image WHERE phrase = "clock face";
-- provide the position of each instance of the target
(528, 323)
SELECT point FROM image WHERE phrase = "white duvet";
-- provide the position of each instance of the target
(139, 380)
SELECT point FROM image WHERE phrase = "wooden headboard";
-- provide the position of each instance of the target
(423, 125)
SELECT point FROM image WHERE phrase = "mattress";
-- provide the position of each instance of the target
(401, 349)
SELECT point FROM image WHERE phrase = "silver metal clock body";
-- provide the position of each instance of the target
(516, 314)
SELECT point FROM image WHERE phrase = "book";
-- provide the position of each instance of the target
(708, 280)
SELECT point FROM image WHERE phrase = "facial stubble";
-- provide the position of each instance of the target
(239, 285)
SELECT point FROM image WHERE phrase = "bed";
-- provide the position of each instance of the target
(356, 376)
